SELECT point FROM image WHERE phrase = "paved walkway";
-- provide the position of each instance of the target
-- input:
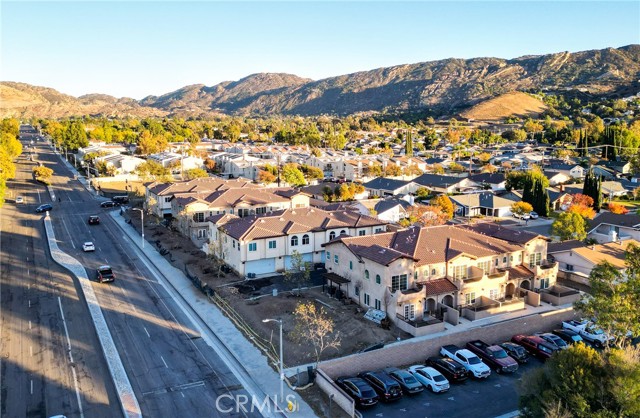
(246, 361)
(128, 401)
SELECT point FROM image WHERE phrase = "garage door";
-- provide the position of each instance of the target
(307, 257)
(267, 265)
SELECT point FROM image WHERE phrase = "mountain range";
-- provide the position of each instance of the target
(441, 87)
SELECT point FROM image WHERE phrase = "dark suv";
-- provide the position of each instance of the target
(568, 336)
(535, 345)
(384, 385)
(106, 274)
(44, 208)
(359, 390)
(451, 369)
(94, 220)
(108, 204)
(516, 351)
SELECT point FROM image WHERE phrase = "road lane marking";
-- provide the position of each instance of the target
(182, 393)
(165, 363)
(31, 387)
(73, 370)
(29, 324)
(29, 302)
(145, 330)
(31, 350)
(27, 272)
(68, 233)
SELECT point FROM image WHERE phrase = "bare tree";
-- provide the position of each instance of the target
(359, 287)
(300, 272)
(217, 252)
(314, 325)
(387, 298)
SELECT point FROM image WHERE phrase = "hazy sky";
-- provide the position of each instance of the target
(137, 49)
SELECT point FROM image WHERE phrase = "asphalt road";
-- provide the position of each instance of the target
(172, 370)
(37, 377)
(487, 398)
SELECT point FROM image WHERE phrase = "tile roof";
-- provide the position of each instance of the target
(485, 200)
(438, 286)
(612, 252)
(489, 178)
(429, 245)
(292, 221)
(497, 231)
(519, 272)
(436, 180)
(382, 183)
(199, 185)
(629, 220)
(556, 247)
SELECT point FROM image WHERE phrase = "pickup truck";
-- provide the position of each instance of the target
(466, 358)
(494, 356)
(589, 332)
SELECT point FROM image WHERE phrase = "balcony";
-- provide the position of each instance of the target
(419, 326)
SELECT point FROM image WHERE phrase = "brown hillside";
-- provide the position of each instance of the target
(509, 104)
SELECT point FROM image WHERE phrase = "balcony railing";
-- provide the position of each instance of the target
(420, 321)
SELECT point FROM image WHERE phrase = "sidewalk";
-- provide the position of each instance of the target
(246, 362)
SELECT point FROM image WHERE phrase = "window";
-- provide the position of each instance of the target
(470, 298)
(504, 260)
(328, 256)
(362, 233)
(460, 272)
(366, 274)
(544, 283)
(253, 246)
(294, 240)
(343, 232)
(272, 244)
(234, 244)
(519, 257)
(510, 258)
(535, 259)
(357, 291)
(378, 230)
(426, 272)
(378, 281)
(198, 217)
(167, 199)
(569, 267)
(335, 259)
(238, 246)
(399, 282)
(433, 272)
(409, 312)
(332, 235)
(485, 266)
(366, 299)
(350, 265)
(497, 261)
(493, 294)
(378, 304)
(305, 239)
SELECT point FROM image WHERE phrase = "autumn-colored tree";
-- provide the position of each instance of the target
(392, 170)
(209, 164)
(443, 202)
(521, 208)
(427, 215)
(315, 326)
(411, 170)
(586, 212)
(43, 173)
(437, 168)
(582, 199)
(456, 167)
(568, 226)
(489, 168)
(195, 173)
(292, 175)
(266, 177)
(484, 157)
(617, 208)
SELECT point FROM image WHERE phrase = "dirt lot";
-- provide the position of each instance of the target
(120, 187)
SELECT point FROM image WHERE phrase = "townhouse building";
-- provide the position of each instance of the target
(264, 243)
(416, 274)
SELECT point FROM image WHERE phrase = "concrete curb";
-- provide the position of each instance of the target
(246, 356)
(128, 401)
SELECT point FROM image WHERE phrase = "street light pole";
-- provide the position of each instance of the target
(141, 224)
(279, 321)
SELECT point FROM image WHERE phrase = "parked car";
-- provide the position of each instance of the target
(536, 346)
(19, 199)
(569, 336)
(108, 204)
(470, 361)
(94, 220)
(384, 385)
(516, 351)
(554, 339)
(588, 331)
(451, 369)
(361, 392)
(106, 274)
(88, 246)
(524, 216)
(406, 380)
(430, 378)
(494, 356)
(44, 208)
(533, 215)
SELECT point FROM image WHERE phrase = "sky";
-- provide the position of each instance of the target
(136, 49)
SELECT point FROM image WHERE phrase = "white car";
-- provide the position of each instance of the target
(88, 246)
(430, 378)
(19, 199)
(533, 215)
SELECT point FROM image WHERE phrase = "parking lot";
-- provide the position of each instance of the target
(485, 398)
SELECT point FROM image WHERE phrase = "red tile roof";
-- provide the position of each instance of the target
(438, 286)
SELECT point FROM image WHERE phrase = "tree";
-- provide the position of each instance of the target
(593, 188)
(315, 326)
(568, 226)
(585, 383)
(217, 252)
(392, 170)
(614, 300)
(585, 211)
(443, 202)
(520, 208)
(617, 208)
(437, 168)
(581, 199)
(427, 215)
(266, 177)
(292, 175)
(311, 172)
(422, 193)
(152, 169)
(195, 173)
(210, 164)
(43, 173)
(300, 272)
(408, 147)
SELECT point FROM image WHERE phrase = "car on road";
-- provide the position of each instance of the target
(94, 220)
(451, 369)
(19, 199)
(105, 274)
(515, 351)
(108, 204)
(430, 378)
(571, 337)
(361, 392)
(88, 246)
(406, 380)
(44, 208)
(385, 386)
(533, 215)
